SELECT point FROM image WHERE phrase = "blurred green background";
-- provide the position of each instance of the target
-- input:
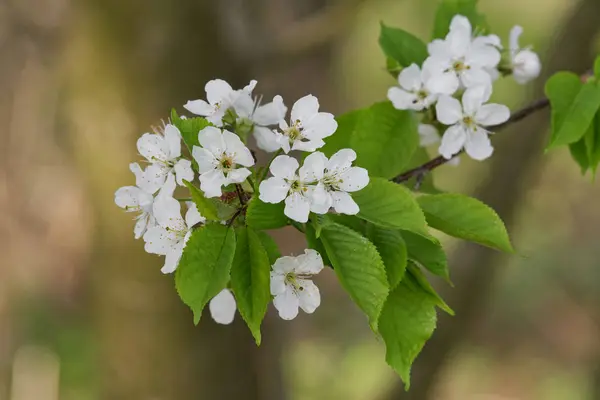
(85, 314)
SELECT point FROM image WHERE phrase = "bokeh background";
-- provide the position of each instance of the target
(85, 314)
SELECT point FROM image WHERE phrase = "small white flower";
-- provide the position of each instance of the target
(412, 94)
(468, 121)
(460, 59)
(219, 160)
(525, 63)
(336, 177)
(286, 184)
(221, 97)
(263, 116)
(172, 232)
(138, 199)
(307, 128)
(163, 151)
(222, 307)
(291, 284)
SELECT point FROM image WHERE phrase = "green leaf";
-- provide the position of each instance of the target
(204, 267)
(428, 252)
(250, 276)
(189, 128)
(407, 321)
(390, 205)
(392, 249)
(597, 67)
(570, 121)
(358, 267)
(418, 277)
(270, 246)
(205, 206)
(261, 215)
(402, 46)
(384, 138)
(449, 8)
(592, 143)
(315, 244)
(466, 218)
(350, 221)
(579, 153)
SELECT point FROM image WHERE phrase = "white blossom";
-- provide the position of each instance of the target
(525, 64)
(163, 151)
(336, 178)
(459, 59)
(222, 307)
(140, 199)
(307, 128)
(291, 284)
(171, 232)
(260, 117)
(219, 160)
(429, 135)
(468, 121)
(412, 93)
(286, 184)
(221, 97)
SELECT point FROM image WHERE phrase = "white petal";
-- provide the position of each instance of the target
(403, 100)
(205, 159)
(305, 108)
(238, 175)
(309, 297)
(438, 49)
(354, 179)
(172, 258)
(443, 83)
(478, 145)
(284, 265)
(320, 200)
(309, 263)
(270, 113)
(459, 37)
(284, 167)
(492, 114)
(222, 307)
(273, 190)
(173, 141)
(513, 40)
(128, 196)
(168, 188)
(167, 212)
(310, 145)
(313, 167)
(199, 107)
(159, 240)
(217, 90)
(153, 178)
(526, 66)
(277, 284)
(428, 135)
(341, 160)
(141, 225)
(211, 182)
(320, 126)
(410, 78)
(482, 56)
(297, 207)
(343, 203)
(473, 98)
(193, 216)
(211, 139)
(183, 170)
(243, 104)
(287, 304)
(452, 141)
(448, 110)
(476, 77)
(250, 86)
(236, 148)
(489, 40)
(152, 147)
(266, 139)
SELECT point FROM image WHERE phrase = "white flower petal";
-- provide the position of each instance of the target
(459, 37)
(222, 307)
(211, 182)
(403, 100)
(410, 78)
(167, 212)
(277, 284)
(236, 148)
(129, 196)
(341, 161)
(478, 145)
(320, 126)
(443, 83)
(183, 170)
(159, 240)
(526, 66)
(354, 179)
(428, 135)
(313, 167)
(475, 77)
(452, 141)
(266, 139)
(284, 265)
(193, 216)
(153, 147)
(141, 225)
(297, 207)
(343, 203)
(270, 113)
(482, 56)
(309, 146)
(309, 297)
(492, 114)
(205, 159)
(513, 40)
(243, 105)
(217, 90)
(211, 139)
(238, 175)
(305, 108)
(309, 263)
(287, 304)
(284, 167)
(448, 110)
(199, 107)
(320, 200)
(172, 258)
(173, 141)
(168, 188)
(273, 190)
(474, 97)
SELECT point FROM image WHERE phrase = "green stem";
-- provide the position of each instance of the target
(186, 199)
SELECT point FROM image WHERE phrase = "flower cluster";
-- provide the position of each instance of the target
(462, 66)
(225, 165)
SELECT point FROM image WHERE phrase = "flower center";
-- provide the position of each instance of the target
(460, 66)
(290, 279)
(331, 181)
(468, 121)
(294, 132)
(297, 186)
(226, 162)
